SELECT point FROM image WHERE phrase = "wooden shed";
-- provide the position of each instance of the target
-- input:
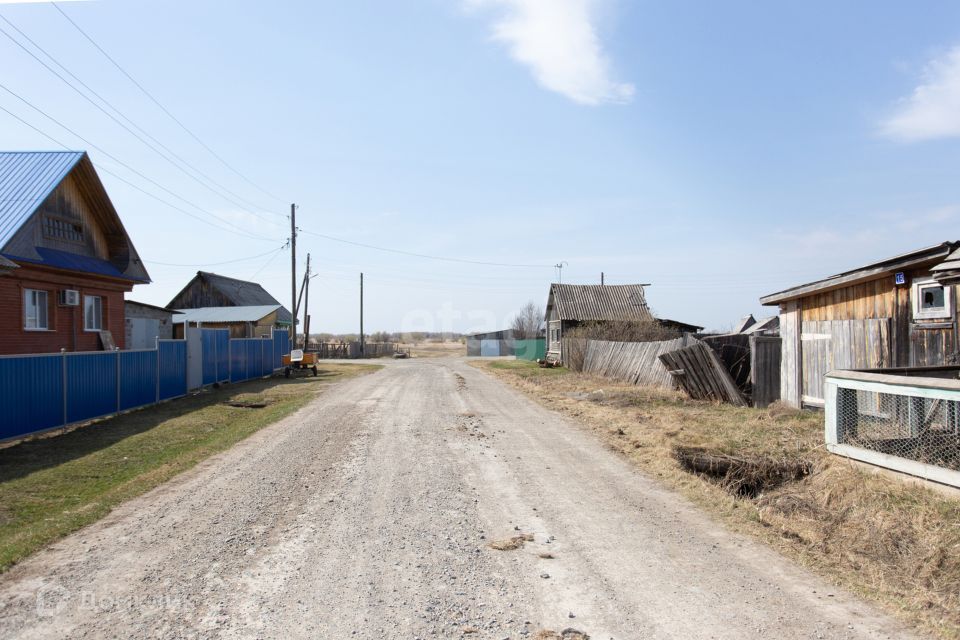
(570, 305)
(891, 313)
(213, 290)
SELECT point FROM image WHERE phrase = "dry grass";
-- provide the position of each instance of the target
(55, 484)
(435, 349)
(512, 543)
(889, 540)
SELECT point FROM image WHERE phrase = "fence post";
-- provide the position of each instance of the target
(63, 369)
(157, 346)
(117, 351)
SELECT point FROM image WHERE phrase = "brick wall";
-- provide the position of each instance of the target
(65, 323)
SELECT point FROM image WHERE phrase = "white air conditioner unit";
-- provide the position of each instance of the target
(69, 297)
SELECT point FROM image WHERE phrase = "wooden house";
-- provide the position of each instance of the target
(213, 290)
(571, 305)
(255, 321)
(891, 313)
(66, 260)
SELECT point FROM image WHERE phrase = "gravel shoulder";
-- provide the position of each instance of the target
(368, 514)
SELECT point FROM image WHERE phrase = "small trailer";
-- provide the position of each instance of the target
(297, 360)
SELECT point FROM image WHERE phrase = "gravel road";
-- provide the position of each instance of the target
(368, 514)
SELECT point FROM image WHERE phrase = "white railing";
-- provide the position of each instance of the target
(908, 424)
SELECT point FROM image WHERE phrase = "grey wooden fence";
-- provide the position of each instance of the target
(633, 362)
(764, 370)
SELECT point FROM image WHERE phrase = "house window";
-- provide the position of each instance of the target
(62, 229)
(35, 309)
(931, 300)
(92, 313)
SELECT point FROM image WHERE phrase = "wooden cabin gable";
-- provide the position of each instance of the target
(200, 293)
(66, 222)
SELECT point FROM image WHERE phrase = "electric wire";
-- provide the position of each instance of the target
(424, 255)
(216, 264)
(161, 107)
(228, 229)
(125, 127)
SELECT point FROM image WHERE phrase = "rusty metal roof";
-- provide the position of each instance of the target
(599, 302)
(26, 179)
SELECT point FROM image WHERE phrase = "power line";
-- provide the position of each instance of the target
(266, 264)
(122, 125)
(216, 264)
(424, 255)
(163, 108)
(128, 167)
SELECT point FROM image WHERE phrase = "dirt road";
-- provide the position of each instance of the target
(368, 515)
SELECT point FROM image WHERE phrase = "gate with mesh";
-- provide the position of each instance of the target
(909, 424)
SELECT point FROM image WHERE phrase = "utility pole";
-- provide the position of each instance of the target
(293, 276)
(306, 307)
(601, 279)
(361, 314)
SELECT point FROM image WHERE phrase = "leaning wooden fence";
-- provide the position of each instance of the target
(702, 375)
(633, 362)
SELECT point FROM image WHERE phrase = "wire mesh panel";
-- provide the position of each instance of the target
(905, 423)
(922, 429)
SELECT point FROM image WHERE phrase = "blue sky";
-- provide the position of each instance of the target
(720, 151)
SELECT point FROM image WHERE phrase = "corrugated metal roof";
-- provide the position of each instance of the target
(26, 179)
(599, 302)
(225, 314)
(76, 262)
(239, 292)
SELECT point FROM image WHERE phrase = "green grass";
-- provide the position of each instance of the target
(525, 368)
(51, 486)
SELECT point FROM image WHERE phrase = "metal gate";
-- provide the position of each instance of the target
(489, 348)
(194, 358)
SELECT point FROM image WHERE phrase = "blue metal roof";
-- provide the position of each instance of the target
(75, 262)
(26, 179)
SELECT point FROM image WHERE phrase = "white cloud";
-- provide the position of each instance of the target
(557, 40)
(933, 109)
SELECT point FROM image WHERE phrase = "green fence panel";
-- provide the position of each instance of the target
(530, 349)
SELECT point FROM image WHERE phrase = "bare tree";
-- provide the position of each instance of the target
(529, 322)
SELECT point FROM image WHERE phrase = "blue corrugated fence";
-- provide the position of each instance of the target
(46, 391)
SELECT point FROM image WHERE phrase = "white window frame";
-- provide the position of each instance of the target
(99, 304)
(28, 303)
(918, 313)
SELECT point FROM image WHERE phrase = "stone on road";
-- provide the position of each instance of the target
(370, 514)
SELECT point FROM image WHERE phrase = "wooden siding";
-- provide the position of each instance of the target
(66, 202)
(841, 344)
(790, 372)
(874, 299)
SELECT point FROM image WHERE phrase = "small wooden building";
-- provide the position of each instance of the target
(213, 290)
(570, 305)
(145, 323)
(891, 313)
(243, 322)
